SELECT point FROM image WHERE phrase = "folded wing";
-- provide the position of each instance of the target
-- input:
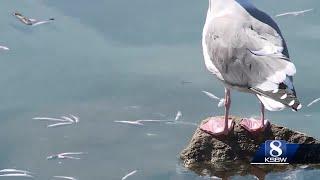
(250, 55)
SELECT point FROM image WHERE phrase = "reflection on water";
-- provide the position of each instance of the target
(113, 60)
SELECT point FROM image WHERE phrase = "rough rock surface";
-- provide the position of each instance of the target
(230, 155)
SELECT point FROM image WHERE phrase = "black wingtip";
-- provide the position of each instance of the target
(296, 107)
(281, 95)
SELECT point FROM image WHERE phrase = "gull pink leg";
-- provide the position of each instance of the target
(220, 125)
(253, 125)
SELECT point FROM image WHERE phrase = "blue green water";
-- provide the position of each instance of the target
(101, 57)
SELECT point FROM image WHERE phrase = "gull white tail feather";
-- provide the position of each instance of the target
(272, 82)
(280, 76)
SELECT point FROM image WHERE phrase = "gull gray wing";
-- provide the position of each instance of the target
(251, 54)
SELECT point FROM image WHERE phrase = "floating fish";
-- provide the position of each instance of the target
(63, 121)
(294, 13)
(17, 175)
(313, 102)
(140, 122)
(129, 174)
(49, 119)
(151, 134)
(14, 171)
(211, 95)
(178, 116)
(221, 102)
(66, 155)
(59, 124)
(4, 48)
(65, 177)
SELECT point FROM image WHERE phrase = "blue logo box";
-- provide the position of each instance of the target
(281, 152)
(275, 148)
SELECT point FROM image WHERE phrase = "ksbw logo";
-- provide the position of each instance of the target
(276, 152)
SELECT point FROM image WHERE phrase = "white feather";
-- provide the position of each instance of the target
(267, 86)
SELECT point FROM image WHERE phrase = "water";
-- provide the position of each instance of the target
(102, 57)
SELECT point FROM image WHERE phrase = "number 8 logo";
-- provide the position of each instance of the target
(275, 151)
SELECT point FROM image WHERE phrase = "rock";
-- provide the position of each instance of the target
(231, 155)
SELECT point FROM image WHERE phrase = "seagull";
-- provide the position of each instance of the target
(294, 13)
(129, 174)
(4, 48)
(31, 22)
(65, 177)
(244, 48)
(66, 155)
